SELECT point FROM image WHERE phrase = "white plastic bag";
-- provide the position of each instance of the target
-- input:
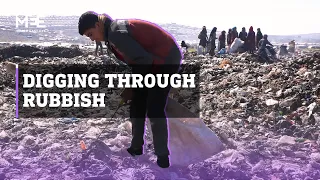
(190, 140)
(235, 45)
(200, 50)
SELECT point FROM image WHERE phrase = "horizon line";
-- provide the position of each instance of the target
(163, 23)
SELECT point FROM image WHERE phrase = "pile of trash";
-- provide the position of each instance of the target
(267, 116)
(29, 51)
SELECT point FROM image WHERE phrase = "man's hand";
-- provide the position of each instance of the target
(126, 94)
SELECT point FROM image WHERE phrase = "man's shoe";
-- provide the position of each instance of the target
(163, 161)
(135, 152)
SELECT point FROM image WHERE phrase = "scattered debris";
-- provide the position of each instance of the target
(266, 114)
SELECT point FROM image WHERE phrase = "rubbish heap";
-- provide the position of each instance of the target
(267, 116)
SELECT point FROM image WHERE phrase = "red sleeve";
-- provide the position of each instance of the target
(152, 37)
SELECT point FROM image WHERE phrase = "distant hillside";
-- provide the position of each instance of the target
(300, 38)
(64, 28)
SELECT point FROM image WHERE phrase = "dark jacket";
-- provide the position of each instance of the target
(251, 39)
(183, 44)
(263, 43)
(141, 42)
(259, 36)
(229, 42)
(203, 38)
(243, 35)
(212, 39)
(222, 40)
(234, 35)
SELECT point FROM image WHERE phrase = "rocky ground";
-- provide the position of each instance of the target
(267, 115)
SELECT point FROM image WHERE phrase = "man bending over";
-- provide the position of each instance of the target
(147, 49)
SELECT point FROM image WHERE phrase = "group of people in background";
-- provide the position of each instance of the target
(252, 40)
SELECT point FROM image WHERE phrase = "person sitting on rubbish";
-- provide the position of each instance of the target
(147, 48)
(283, 50)
(183, 44)
(264, 42)
(263, 45)
(292, 46)
(98, 44)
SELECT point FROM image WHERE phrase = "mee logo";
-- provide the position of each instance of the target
(24, 22)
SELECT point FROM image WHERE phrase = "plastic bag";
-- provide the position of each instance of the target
(235, 45)
(222, 51)
(201, 50)
(190, 140)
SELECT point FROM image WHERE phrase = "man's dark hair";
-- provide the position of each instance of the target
(86, 21)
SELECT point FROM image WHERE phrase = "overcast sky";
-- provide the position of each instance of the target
(272, 16)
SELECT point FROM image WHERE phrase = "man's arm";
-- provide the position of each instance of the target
(268, 42)
(260, 43)
(130, 47)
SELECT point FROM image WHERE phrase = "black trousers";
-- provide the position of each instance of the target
(151, 103)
